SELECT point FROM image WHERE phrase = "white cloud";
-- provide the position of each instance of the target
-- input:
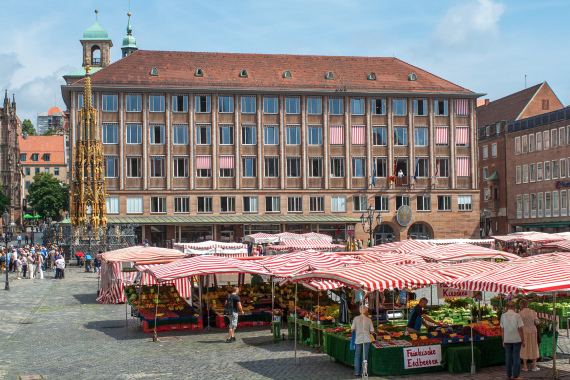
(468, 21)
(9, 64)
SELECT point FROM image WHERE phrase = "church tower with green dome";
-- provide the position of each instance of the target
(96, 45)
(129, 42)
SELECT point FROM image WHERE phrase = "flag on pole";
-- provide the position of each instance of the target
(416, 172)
(374, 176)
(395, 167)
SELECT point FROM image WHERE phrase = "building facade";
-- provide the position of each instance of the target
(494, 163)
(538, 150)
(215, 145)
(10, 168)
(53, 119)
(43, 154)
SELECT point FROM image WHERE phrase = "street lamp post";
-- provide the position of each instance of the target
(368, 220)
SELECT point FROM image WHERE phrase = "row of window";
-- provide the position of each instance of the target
(250, 204)
(534, 172)
(157, 135)
(35, 157)
(28, 171)
(543, 205)
(486, 151)
(156, 103)
(542, 140)
(181, 167)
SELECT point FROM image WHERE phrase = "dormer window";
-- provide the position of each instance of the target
(412, 77)
(287, 74)
(329, 75)
(154, 72)
(35, 157)
(47, 157)
(199, 72)
(371, 76)
(243, 73)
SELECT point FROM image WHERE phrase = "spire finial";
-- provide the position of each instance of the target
(96, 12)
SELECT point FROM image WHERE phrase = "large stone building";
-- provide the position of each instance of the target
(494, 158)
(217, 145)
(10, 168)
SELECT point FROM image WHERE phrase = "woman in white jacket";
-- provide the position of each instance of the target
(361, 326)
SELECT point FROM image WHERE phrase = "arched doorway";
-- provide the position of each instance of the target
(383, 234)
(418, 231)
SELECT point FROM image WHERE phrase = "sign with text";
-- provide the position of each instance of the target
(445, 292)
(422, 356)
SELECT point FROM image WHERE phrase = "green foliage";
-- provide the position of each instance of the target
(28, 127)
(49, 132)
(4, 200)
(48, 195)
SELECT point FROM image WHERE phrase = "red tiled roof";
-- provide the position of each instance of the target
(507, 108)
(265, 72)
(54, 145)
(53, 110)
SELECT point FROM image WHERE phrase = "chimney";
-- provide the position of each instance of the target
(25, 136)
(486, 102)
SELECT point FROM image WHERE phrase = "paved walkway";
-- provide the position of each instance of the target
(54, 328)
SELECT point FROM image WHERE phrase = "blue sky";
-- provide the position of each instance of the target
(487, 46)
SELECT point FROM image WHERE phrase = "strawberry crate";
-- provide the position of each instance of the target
(175, 328)
(163, 328)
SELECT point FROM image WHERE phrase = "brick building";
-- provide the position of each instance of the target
(538, 152)
(216, 145)
(43, 154)
(493, 157)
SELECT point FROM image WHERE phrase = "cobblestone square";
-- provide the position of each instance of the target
(54, 328)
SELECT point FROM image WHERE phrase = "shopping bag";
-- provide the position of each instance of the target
(353, 341)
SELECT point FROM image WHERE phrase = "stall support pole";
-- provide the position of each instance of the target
(208, 328)
(200, 295)
(272, 303)
(127, 313)
(296, 358)
(155, 337)
(555, 374)
(473, 369)
(377, 309)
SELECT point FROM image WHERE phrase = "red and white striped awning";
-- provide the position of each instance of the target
(337, 134)
(203, 162)
(290, 264)
(462, 167)
(284, 236)
(205, 245)
(462, 107)
(317, 236)
(529, 237)
(358, 135)
(261, 238)
(563, 245)
(462, 135)
(404, 246)
(461, 252)
(140, 253)
(532, 277)
(442, 135)
(468, 269)
(545, 257)
(182, 285)
(391, 258)
(226, 162)
(315, 285)
(375, 276)
(306, 244)
(201, 265)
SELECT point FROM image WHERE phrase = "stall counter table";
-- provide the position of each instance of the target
(390, 361)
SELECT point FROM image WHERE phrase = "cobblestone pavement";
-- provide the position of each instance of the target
(55, 328)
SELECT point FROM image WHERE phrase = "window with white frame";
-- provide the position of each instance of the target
(112, 204)
(315, 134)
(314, 106)
(181, 204)
(444, 203)
(156, 134)
(379, 136)
(421, 137)
(358, 167)
(293, 167)
(381, 167)
(422, 167)
(420, 107)
(381, 203)
(533, 205)
(226, 172)
(379, 106)
(134, 134)
(272, 204)
(204, 205)
(249, 167)
(525, 173)
(423, 203)
(110, 102)
(110, 134)
(562, 168)
(524, 143)
(547, 170)
(317, 204)
(402, 200)
(337, 167)
(248, 135)
(226, 104)
(563, 203)
(180, 167)
(250, 204)
(440, 107)
(157, 204)
(526, 206)
(400, 136)
(555, 204)
(485, 152)
(547, 204)
(336, 106)
(293, 134)
(553, 138)
(203, 134)
(227, 204)
(270, 105)
(315, 167)
(294, 204)
(156, 103)
(546, 139)
(555, 170)
(486, 193)
(180, 134)
(271, 135)
(338, 204)
(518, 175)
(531, 144)
(532, 172)
(540, 198)
(157, 167)
(359, 203)
(203, 104)
(226, 134)
(539, 141)
(517, 145)
(292, 106)
(357, 106)
(494, 150)
(271, 168)
(485, 173)
(443, 163)
(134, 205)
(111, 167)
(464, 203)
(519, 207)
(399, 107)
(539, 173)
(134, 167)
(179, 103)
(133, 103)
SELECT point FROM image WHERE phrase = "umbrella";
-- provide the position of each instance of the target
(28, 216)
(37, 216)
(79, 254)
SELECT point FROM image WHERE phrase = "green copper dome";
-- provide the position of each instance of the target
(95, 32)
(129, 41)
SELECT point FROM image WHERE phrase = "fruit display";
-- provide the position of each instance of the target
(164, 304)
(426, 342)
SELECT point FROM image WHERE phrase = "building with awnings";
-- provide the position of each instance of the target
(220, 145)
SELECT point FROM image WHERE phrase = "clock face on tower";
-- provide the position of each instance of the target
(404, 215)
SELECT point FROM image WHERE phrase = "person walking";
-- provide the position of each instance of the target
(361, 326)
(39, 266)
(97, 265)
(513, 339)
(530, 320)
(60, 267)
(31, 264)
(236, 307)
(18, 265)
(24, 263)
(19, 240)
(26, 238)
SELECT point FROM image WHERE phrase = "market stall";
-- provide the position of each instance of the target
(261, 238)
(390, 258)
(404, 246)
(461, 252)
(211, 247)
(294, 245)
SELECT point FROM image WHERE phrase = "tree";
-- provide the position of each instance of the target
(4, 200)
(48, 195)
(49, 132)
(28, 127)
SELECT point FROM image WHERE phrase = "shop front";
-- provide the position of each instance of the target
(336, 231)
(196, 234)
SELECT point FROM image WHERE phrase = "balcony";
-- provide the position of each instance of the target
(402, 181)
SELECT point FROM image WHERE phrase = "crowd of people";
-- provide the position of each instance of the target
(31, 261)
